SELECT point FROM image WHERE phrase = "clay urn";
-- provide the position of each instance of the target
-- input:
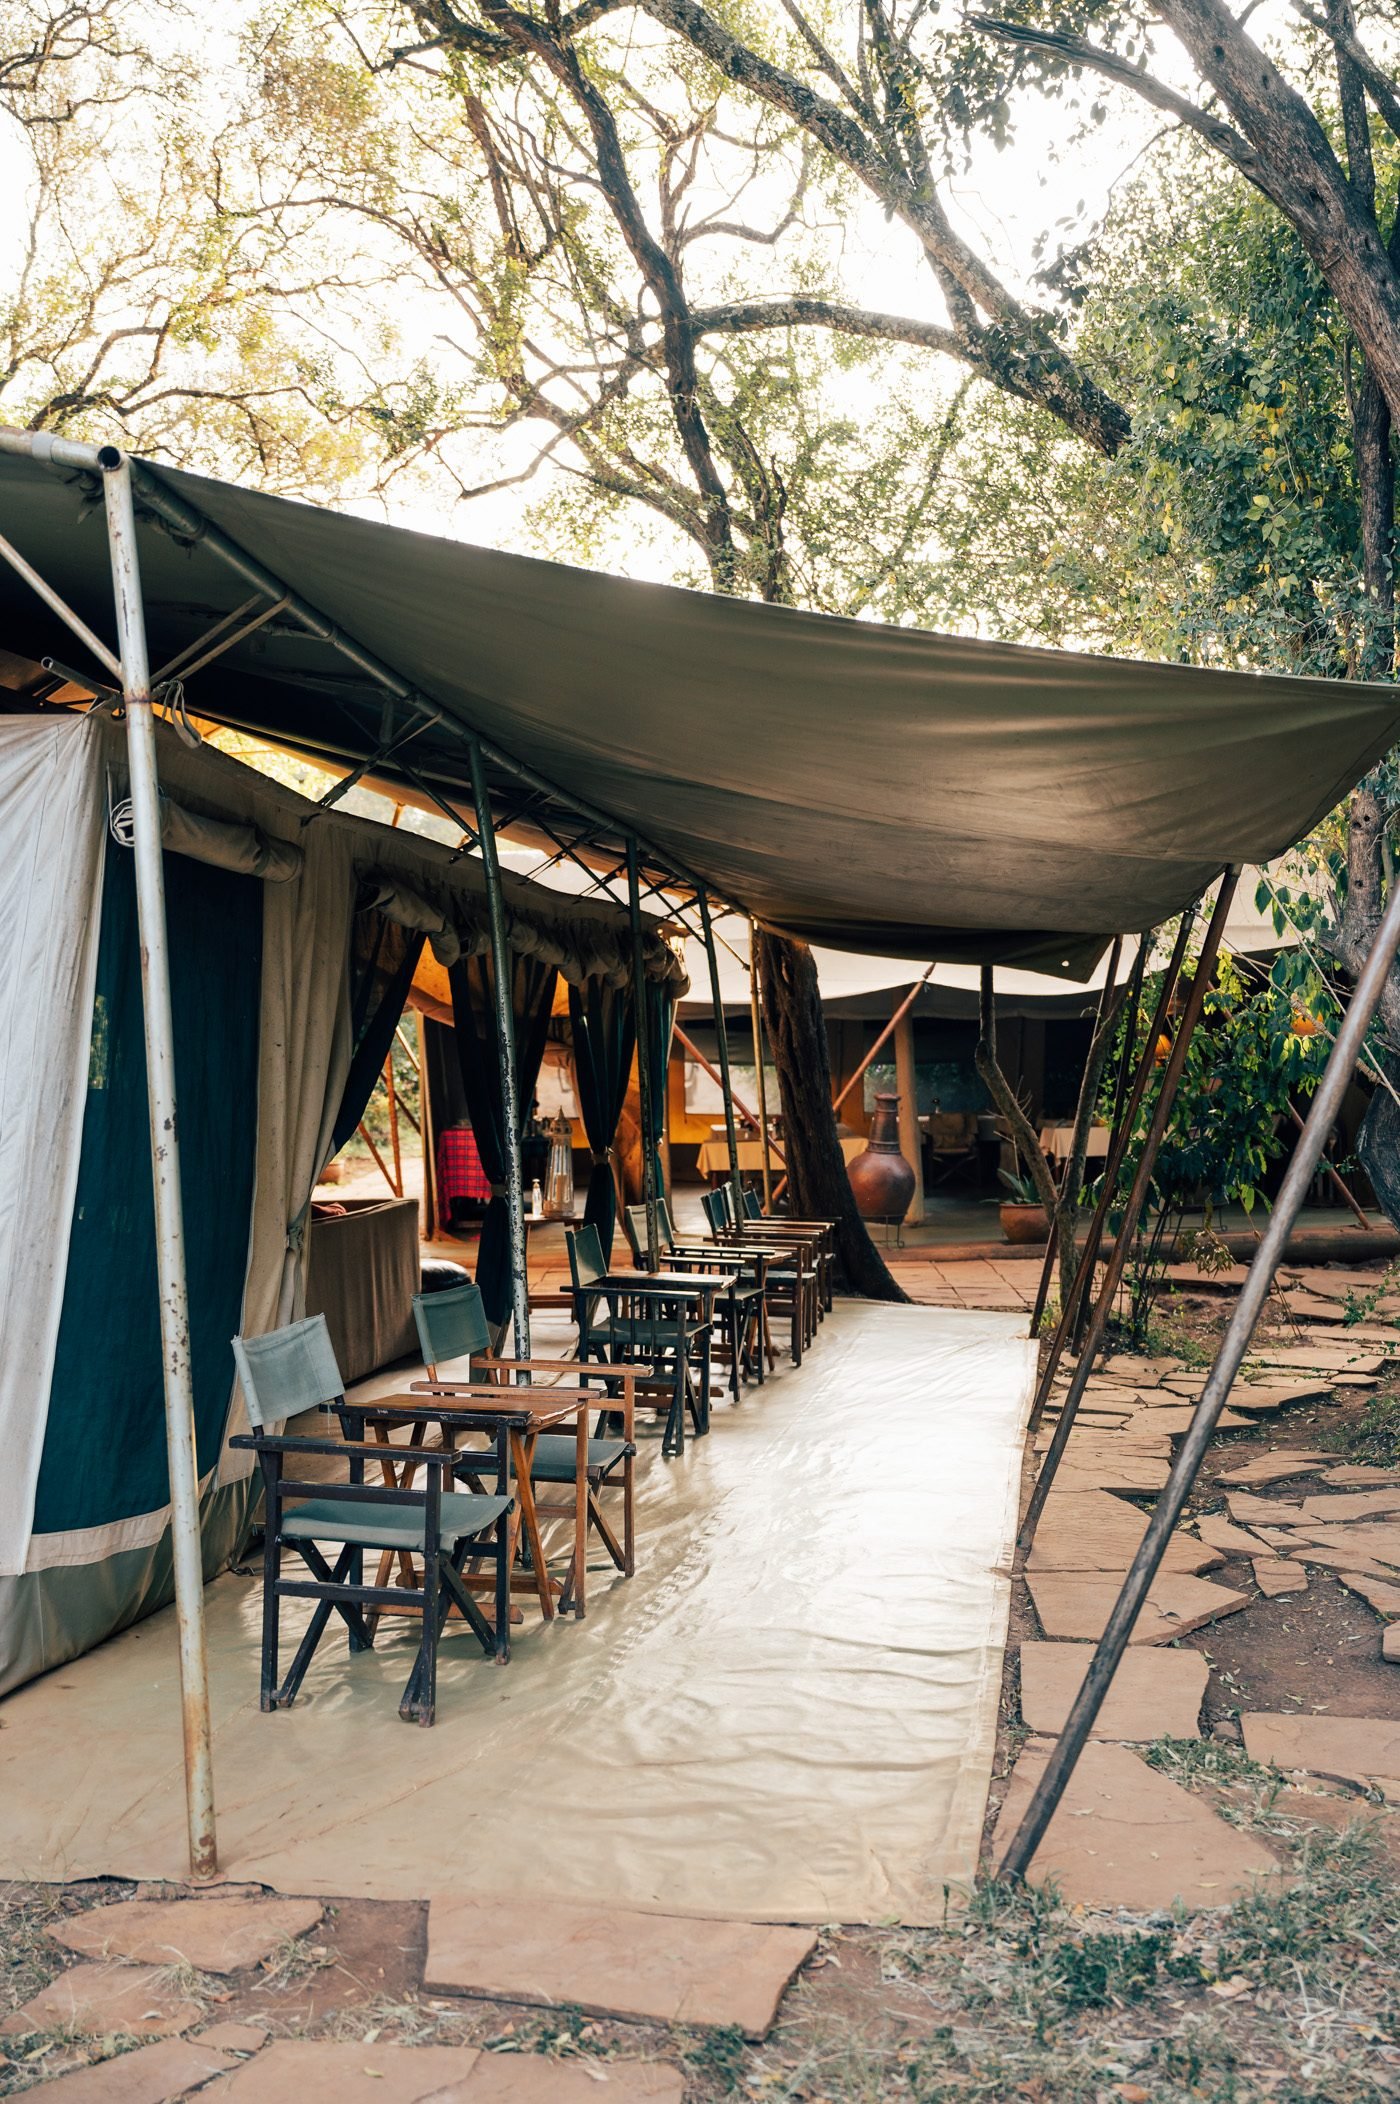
(881, 1179)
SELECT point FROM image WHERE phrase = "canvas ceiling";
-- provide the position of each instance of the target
(878, 789)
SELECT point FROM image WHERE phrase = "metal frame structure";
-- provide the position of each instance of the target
(1322, 1114)
(129, 491)
(1133, 1206)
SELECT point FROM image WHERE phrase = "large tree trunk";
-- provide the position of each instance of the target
(818, 1185)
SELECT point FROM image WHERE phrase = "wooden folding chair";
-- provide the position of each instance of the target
(293, 1370)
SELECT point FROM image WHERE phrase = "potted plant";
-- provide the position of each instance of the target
(1023, 1217)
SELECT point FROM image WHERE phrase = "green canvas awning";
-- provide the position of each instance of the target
(880, 789)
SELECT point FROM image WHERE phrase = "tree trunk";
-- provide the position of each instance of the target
(818, 1186)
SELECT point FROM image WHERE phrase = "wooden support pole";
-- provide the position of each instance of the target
(906, 1083)
(1254, 1293)
(723, 1077)
(644, 1076)
(1136, 1200)
(429, 1218)
(1080, 1290)
(393, 1096)
(756, 1012)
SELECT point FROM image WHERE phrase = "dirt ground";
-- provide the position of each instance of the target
(1292, 1995)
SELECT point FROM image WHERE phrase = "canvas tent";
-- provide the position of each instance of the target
(883, 790)
(880, 789)
(264, 909)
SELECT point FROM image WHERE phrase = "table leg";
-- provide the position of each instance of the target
(522, 1454)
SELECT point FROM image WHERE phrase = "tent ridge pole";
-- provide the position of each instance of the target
(1326, 1104)
(1132, 1210)
(505, 1053)
(178, 1381)
(726, 1085)
(643, 1036)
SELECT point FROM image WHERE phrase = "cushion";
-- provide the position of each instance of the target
(388, 1526)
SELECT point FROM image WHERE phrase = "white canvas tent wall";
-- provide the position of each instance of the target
(64, 1587)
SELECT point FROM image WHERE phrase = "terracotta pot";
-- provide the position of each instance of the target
(1025, 1223)
(881, 1179)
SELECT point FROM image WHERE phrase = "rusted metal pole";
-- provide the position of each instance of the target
(1118, 1147)
(1254, 1293)
(185, 1539)
(1347, 1198)
(885, 1035)
(1132, 1211)
(726, 1085)
(1121, 1124)
(689, 1045)
(501, 970)
(643, 1029)
(1083, 1117)
(756, 1011)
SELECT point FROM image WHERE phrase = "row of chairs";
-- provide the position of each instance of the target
(654, 1333)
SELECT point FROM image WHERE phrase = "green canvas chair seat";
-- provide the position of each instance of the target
(556, 1456)
(397, 1526)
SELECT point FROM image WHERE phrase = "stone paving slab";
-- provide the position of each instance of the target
(654, 1968)
(1277, 1512)
(1375, 1540)
(1154, 1694)
(1345, 1562)
(1094, 1531)
(156, 2074)
(1390, 1644)
(326, 2071)
(1125, 1836)
(1224, 1535)
(1380, 1593)
(1356, 1748)
(100, 1998)
(1275, 1468)
(528, 2078)
(1075, 1605)
(214, 1935)
(234, 2038)
(1352, 1505)
(1274, 1577)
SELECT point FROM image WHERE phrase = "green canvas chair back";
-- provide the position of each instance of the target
(585, 1255)
(713, 1202)
(752, 1206)
(636, 1222)
(451, 1325)
(288, 1371)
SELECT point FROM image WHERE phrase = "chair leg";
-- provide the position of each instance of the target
(629, 1532)
(271, 1606)
(424, 1707)
(316, 1628)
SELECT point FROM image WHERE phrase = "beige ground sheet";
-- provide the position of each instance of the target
(788, 1713)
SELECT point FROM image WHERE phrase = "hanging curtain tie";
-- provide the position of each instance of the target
(499, 1190)
(602, 1159)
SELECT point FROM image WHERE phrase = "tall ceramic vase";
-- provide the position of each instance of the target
(882, 1180)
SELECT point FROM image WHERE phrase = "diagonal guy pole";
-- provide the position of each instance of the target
(1326, 1104)
(1132, 1211)
(1118, 1148)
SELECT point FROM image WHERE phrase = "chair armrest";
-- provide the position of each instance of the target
(584, 1368)
(357, 1449)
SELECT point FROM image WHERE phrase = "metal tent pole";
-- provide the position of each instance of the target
(501, 969)
(731, 1130)
(1083, 1117)
(643, 1033)
(1121, 1121)
(756, 1020)
(1089, 1255)
(1132, 1210)
(1326, 1104)
(186, 1547)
